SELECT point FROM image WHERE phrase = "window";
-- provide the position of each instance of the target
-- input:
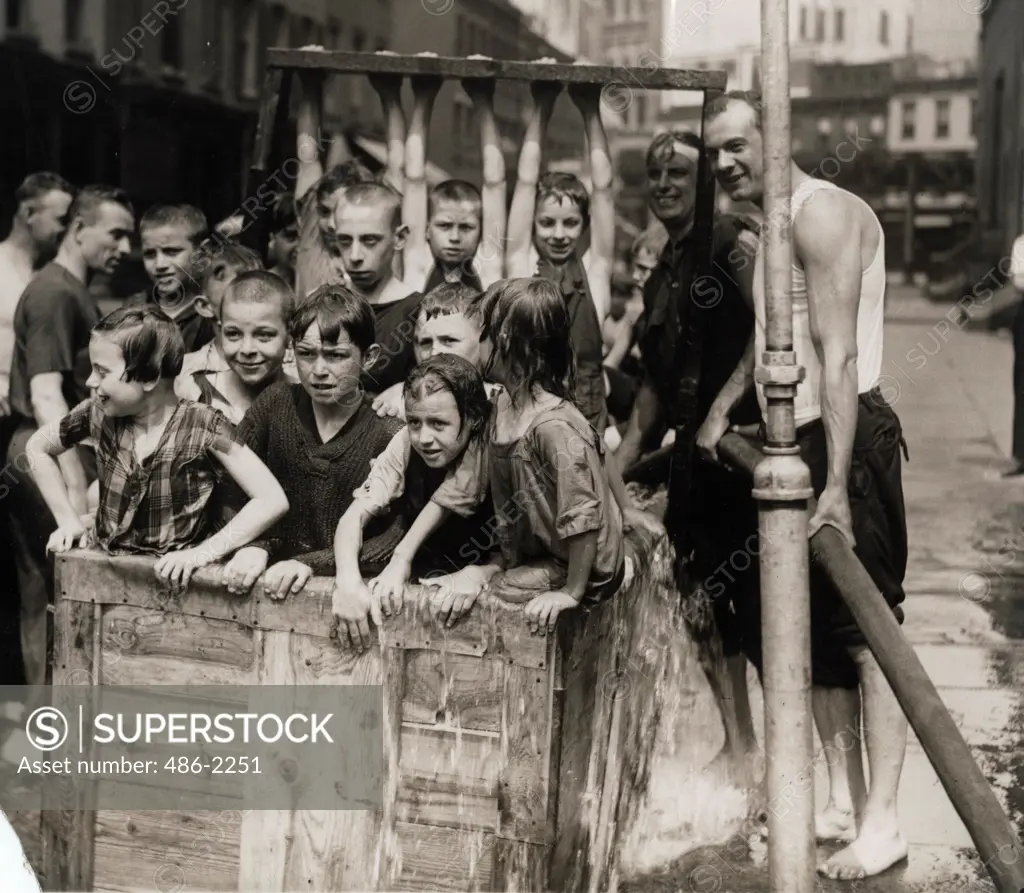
(883, 29)
(942, 119)
(909, 128)
(840, 26)
(803, 22)
(73, 22)
(819, 26)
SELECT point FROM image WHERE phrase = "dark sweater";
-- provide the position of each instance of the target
(317, 477)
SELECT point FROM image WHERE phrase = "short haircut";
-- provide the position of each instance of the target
(557, 184)
(449, 299)
(187, 217)
(220, 254)
(37, 185)
(150, 340)
(376, 194)
(342, 176)
(663, 143)
(720, 103)
(284, 213)
(260, 287)
(333, 308)
(454, 191)
(89, 199)
(461, 379)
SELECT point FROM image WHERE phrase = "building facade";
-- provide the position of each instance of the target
(559, 22)
(1000, 130)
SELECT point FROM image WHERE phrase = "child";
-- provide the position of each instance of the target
(218, 265)
(284, 240)
(445, 226)
(318, 438)
(552, 214)
(158, 458)
(559, 521)
(249, 351)
(432, 472)
(448, 322)
(171, 236)
(370, 235)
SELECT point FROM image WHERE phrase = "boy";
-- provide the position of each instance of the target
(551, 214)
(319, 438)
(248, 354)
(284, 240)
(158, 458)
(219, 263)
(370, 234)
(171, 236)
(445, 226)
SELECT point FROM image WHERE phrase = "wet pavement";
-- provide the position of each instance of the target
(965, 617)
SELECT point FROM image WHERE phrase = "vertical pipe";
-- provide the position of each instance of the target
(782, 487)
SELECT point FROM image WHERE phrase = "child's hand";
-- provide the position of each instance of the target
(449, 605)
(391, 403)
(351, 605)
(175, 569)
(587, 97)
(244, 569)
(388, 588)
(286, 577)
(65, 537)
(542, 612)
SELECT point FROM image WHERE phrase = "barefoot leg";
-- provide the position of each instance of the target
(837, 716)
(879, 844)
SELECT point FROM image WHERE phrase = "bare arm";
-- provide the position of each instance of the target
(427, 521)
(827, 242)
(308, 126)
(524, 199)
(645, 416)
(741, 381)
(602, 200)
(49, 407)
(415, 213)
(582, 554)
(348, 540)
(490, 258)
(43, 452)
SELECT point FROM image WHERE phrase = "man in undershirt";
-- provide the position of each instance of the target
(851, 440)
(369, 229)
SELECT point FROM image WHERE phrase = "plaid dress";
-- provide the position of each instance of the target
(163, 503)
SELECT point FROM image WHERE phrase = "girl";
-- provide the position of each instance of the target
(431, 475)
(557, 504)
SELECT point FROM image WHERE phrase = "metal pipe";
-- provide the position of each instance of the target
(782, 486)
(969, 792)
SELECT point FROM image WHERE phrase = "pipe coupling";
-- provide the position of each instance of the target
(782, 478)
(781, 375)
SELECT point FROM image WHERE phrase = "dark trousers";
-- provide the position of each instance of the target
(1018, 385)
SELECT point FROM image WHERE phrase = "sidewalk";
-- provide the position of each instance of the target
(952, 393)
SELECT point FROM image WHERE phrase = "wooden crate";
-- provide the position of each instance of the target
(513, 762)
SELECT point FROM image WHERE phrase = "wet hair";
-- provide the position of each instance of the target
(150, 341)
(528, 323)
(559, 185)
(260, 287)
(217, 254)
(89, 199)
(454, 191)
(284, 213)
(460, 378)
(39, 184)
(333, 308)
(341, 176)
(664, 142)
(187, 217)
(449, 299)
(720, 102)
(379, 194)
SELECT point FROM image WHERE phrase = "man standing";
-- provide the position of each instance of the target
(1017, 277)
(719, 517)
(851, 440)
(50, 366)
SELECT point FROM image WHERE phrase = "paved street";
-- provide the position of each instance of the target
(965, 617)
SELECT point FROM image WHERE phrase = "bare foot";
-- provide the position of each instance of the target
(835, 824)
(870, 854)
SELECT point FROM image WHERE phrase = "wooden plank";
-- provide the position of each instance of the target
(444, 859)
(388, 857)
(648, 78)
(167, 850)
(131, 630)
(525, 754)
(520, 867)
(453, 689)
(68, 822)
(449, 778)
(87, 576)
